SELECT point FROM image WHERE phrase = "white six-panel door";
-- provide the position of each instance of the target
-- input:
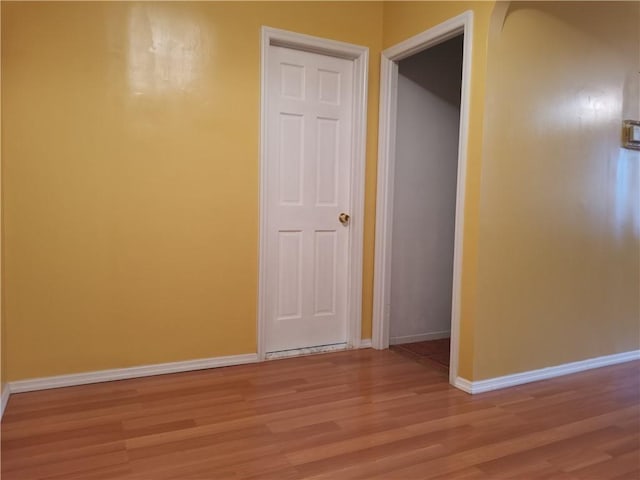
(308, 133)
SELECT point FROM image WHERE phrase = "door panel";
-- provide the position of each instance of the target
(308, 134)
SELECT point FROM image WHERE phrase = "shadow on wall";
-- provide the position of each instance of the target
(437, 82)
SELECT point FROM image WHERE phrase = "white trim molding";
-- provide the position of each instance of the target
(216, 362)
(462, 24)
(4, 399)
(360, 57)
(422, 337)
(497, 383)
(126, 373)
(99, 376)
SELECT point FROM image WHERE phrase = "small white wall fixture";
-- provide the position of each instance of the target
(360, 57)
(461, 24)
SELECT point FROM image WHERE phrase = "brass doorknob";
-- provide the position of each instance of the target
(344, 218)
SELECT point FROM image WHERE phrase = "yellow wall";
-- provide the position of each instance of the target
(559, 262)
(401, 21)
(130, 171)
(131, 164)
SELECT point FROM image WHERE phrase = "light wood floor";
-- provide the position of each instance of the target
(362, 414)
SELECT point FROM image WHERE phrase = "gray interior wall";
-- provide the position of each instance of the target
(425, 193)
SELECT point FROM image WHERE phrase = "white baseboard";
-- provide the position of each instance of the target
(497, 383)
(215, 362)
(423, 337)
(4, 399)
(132, 372)
(124, 373)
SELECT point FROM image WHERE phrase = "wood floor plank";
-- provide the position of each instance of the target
(22, 462)
(350, 415)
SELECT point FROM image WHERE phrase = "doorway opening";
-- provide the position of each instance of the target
(421, 185)
(424, 202)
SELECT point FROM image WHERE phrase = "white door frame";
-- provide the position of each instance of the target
(386, 165)
(360, 57)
